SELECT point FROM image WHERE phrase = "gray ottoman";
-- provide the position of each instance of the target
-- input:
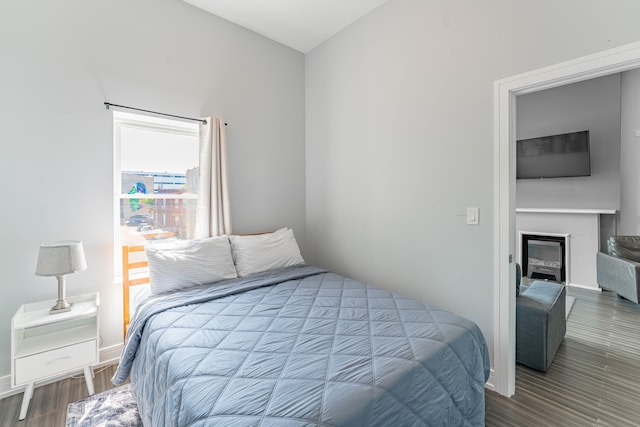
(540, 323)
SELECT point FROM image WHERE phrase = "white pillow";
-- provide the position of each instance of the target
(262, 252)
(182, 264)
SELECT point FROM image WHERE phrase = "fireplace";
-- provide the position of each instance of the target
(544, 256)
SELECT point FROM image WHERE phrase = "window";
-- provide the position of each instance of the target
(156, 161)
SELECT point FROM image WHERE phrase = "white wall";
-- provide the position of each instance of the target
(61, 59)
(400, 135)
(630, 154)
(592, 105)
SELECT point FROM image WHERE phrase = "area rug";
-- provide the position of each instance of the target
(111, 408)
(569, 304)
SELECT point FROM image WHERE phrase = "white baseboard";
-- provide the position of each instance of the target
(5, 387)
(108, 356)
(489, 385)
(587, 287)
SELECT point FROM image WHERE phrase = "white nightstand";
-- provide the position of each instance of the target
(45, 346)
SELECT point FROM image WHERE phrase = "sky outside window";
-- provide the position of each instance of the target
(152, 151)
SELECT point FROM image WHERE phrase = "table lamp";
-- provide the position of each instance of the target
(59, 259)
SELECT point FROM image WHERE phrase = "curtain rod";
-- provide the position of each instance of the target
(108, 104)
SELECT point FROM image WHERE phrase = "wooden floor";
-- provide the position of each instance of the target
(48, 406)
(593, 380)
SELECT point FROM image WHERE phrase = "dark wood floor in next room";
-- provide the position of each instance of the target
(594, 378)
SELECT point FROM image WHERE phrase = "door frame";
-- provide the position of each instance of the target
(611, 61)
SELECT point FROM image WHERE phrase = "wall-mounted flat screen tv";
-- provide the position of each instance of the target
(554, 156)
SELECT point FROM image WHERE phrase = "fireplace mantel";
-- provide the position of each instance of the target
(568, 211)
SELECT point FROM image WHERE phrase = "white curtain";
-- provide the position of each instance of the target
(212, 209)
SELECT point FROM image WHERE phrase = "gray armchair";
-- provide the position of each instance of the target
(619, 269)
(540, 322)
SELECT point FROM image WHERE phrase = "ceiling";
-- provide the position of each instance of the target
(299, 24)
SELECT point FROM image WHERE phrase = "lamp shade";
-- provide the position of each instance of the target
(60, 258)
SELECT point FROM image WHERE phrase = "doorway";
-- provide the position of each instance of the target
(603, 63)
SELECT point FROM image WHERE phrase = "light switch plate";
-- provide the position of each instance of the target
(473, 216)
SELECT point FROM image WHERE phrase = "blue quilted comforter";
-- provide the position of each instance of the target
(302, 347)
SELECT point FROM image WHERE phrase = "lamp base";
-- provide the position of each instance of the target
(61, 307)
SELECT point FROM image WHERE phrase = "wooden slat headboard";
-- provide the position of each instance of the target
(128, 282)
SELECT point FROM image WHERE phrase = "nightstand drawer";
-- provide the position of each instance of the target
(57, 361)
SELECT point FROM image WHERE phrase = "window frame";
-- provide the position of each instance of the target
(149, 123)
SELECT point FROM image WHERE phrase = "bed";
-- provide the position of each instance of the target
(296, 345)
